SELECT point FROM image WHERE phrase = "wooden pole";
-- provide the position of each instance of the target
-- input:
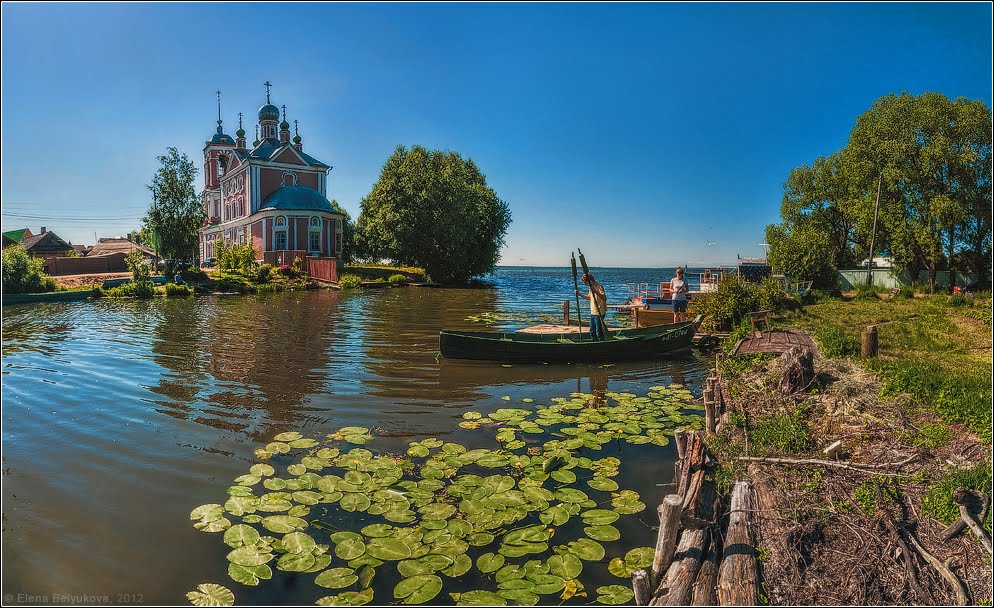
(709, 410)
(680, 439)
(566, 313)
(640, 585)
(576, 292)
(868, 342)
(677, 587)
(669, 524)
(738, 583)
(873, 233)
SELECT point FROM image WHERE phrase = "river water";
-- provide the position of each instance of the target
(119, 417)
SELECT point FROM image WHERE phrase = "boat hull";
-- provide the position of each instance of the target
(623, 345)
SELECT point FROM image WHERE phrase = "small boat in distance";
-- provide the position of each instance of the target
(620, 345)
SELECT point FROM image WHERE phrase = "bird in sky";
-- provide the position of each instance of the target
(710, 243)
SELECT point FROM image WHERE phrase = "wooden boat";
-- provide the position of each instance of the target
(621, 345)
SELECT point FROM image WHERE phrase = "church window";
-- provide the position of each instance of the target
(315, 241)
(280, 220)
(280, 240)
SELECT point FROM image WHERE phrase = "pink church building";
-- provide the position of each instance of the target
(272, 195)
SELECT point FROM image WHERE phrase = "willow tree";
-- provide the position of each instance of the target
(433, 209)
(175, 215)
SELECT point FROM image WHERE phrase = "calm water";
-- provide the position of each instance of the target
(119, 417)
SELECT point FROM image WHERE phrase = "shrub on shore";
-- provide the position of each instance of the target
(178, 291)
(349, 281)
(23, 273)
(397, 279)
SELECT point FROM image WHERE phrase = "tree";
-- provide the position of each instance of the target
(23, 273)
(175, 215)
(803, 252)
(434, 210)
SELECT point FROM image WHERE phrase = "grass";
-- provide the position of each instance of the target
(783, 432)
(937, 353)
(938, 502)
(373, 272)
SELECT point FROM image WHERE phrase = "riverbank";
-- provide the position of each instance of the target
(854, 474)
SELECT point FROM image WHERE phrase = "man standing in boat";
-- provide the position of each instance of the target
(598, 306)
(680, 289)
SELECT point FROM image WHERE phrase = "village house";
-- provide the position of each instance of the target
(13, 237)
(273, 196)
(46, 244)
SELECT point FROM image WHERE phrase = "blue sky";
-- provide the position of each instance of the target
(637, 132)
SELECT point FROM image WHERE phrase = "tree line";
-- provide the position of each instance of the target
(929, 158)
(429, 208)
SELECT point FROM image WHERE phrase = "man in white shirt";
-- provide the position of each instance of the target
(680, 289)
(598, 306)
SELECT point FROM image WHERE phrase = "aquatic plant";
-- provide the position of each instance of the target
(347, 513)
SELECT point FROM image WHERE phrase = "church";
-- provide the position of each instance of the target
(272, 195)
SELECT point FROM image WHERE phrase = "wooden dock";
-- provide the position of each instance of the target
(773, 342)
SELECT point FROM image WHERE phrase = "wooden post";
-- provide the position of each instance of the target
(868, 343)
(566, 313)
(640, 585)
(738, 583)
(669, 523)
(706, 585)
(678, 586)
(710, 419)
(680, 439)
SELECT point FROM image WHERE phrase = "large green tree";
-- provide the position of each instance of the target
(433, 209)
(175, 214)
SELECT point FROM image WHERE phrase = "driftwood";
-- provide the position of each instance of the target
(961, 496)
(640, 585)
(706, 585)
(798, 370)
(909, 566)
(870, 469)
(678, 586)
(738, 583)
(959, 589)
(669, 521)
(957, 526)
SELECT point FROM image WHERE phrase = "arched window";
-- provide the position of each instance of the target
(314, 235)
(279, 233)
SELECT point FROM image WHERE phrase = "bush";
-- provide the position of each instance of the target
(23, 273)
(193, 274)
(289, 271)
(958, 299)
(349, 281)
(397, 279)
(866, 293)
(725, 307)
(178, 291)
(143, 290)
(236, 257)
(772, 295)
(263, 272)
(835, 342)
(141, 269)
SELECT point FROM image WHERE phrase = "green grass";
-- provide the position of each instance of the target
(938, 502)
(784, 432)
(372, 272)
(931, 351)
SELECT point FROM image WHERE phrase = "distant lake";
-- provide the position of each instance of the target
(119, 417)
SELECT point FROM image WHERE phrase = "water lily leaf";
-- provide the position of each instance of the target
(564, 476)
(353, 501)
(413, 567)
(262, 470)
(547, 583)
(303, 443)
(640, 557)
(217, 525)
(388, 549)
(565, 566)
(602, 533)
(274, 483)
(296, 469)
(252, 519)
(320, 563)
(478, 598)
(277, 447)
(614, 594)
(520, 596)
(298, 542)
(571, 495)
(340, 537)
(211, 594)
(618, 568)
(627, 502)
(347, 598)
(472, 415)
(336, 578)
(489, 562)
(249, 556)
(556, 515)
(461, 565)
(459, 527)
(480, 539)
(240, 535)
(350, 549)
(249, 575)
(207, 513)
(418, 589)
(377, 530)
(587, 550)
(417, 451)
(247, 480)
(599, 517)
(282, 524)
(366, 574)
(307, 497)
(603, 484)
(288, 437)
(365, 560)
(295, 562)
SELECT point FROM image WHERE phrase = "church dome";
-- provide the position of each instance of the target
(269, 112)
(298, 198)
(285, 125)
(221, 138)
(240, 132)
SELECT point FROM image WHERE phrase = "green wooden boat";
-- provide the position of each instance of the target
(621, 345)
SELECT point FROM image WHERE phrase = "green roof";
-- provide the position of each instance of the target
(15, 235)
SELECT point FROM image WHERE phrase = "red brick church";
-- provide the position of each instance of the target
(272, 195)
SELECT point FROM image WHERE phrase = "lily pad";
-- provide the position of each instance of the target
(565, 566)
(418, 589)
(336, 578)
(388, 549)
(240, 535)
(249, 575)
(348, 598)
(587, 550)
(602, 533)
(478, 597)
(490, 562)
(211, 594)
(614, 594)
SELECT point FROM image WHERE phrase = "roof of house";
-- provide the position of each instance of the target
(298, 198)
(16, 235)
(81, 249)
(107, 246)
(270, 149)
(46, 241)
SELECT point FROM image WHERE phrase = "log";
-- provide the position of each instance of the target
(869, 469)
(798, 370)
(957, 526)
(640, 585)
(738, 579)
(958, 588)
(669, 523)
(706, 585)
(678, 585)
(961, 496)
(868, 342)
(566, 313)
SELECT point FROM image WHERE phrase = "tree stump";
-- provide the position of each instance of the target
(868, 342)
(798, 370)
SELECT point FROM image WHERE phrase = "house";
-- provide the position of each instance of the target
(45, 245)
(272, 196)
(118, 244)
(81, 250)
(16, 235)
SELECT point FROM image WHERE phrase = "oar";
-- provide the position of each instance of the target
(586, 270)
(576, 292)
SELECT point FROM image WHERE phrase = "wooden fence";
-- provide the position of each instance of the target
(100, 264)
(325, 269)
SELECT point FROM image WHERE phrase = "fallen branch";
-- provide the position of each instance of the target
(957, 526)
(960, 497)
(959, 590)
(873, 469)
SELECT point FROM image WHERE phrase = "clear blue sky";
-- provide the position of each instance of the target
(638, 132)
